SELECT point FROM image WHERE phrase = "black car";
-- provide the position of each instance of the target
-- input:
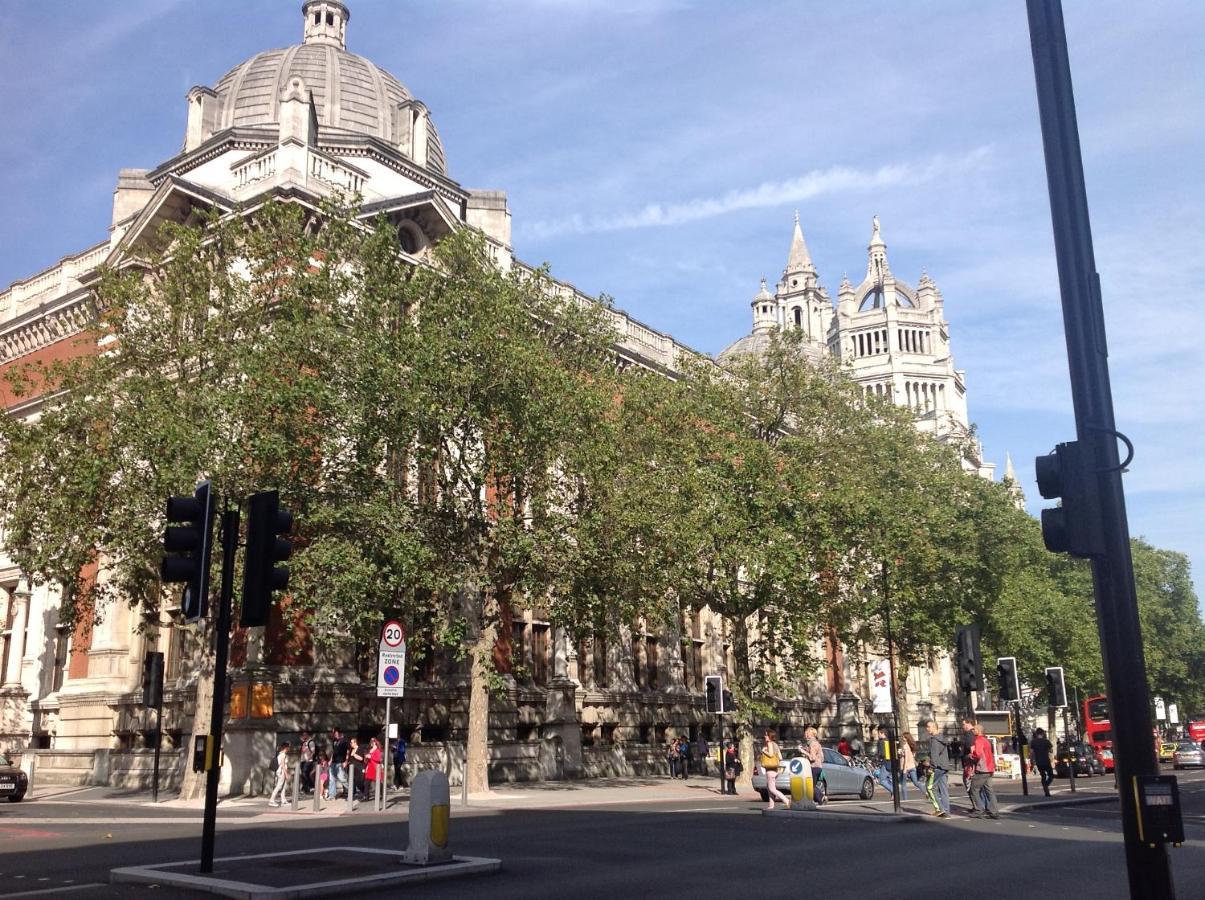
(1086, 761)
(13, 782)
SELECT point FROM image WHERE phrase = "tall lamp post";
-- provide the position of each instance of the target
(895, 708)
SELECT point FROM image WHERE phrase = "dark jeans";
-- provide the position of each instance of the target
(1047, 777)
(398, 775)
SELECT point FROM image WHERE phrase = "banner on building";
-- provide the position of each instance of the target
(880, 685)
(1173, 714)
(1160, 710)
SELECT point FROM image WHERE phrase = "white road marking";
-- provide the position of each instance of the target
(57, 890)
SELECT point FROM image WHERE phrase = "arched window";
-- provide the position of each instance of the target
(798, 317)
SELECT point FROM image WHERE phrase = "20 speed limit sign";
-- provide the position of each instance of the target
(391, 660)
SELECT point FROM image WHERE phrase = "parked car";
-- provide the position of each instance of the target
(839, 777)
(1188, 753)
(1167, 749)
(1086, 761)
(13, 782)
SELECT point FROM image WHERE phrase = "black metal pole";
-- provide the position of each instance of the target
(895, 716)
(720, 722)
(1067, 738)
(158, 744)
(1083, 320)
(1021, 751)
(221, 642)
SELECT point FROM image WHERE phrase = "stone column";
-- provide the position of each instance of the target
(675, 666)
(619, 661)
(19, 598)
(560, 713)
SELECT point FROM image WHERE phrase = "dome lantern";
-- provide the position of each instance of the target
(325, 22)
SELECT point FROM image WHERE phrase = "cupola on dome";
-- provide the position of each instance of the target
(351, 94)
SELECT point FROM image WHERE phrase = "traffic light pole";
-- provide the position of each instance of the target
(895, 714)
(221, 651)
(1083, 320)
(1021, 750)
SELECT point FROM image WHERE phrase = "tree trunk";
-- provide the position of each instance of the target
(192, 785)
(743, 682)
(476, 751)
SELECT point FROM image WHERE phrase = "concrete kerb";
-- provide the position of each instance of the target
(227, 886)
(1062, 802)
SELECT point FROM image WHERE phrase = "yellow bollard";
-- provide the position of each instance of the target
(797, 788)
(430, 809)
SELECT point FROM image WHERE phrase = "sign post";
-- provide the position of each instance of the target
(391, 678)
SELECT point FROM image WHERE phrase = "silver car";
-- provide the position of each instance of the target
(1188, 753)
(839, 777)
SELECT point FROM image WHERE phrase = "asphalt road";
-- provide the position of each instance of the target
(699, 844)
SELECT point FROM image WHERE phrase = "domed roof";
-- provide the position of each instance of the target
(350, 93)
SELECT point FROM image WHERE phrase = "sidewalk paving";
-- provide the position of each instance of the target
(566, 794)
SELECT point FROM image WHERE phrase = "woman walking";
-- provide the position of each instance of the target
(373, 770)
(908, 758)
(282, 777)
(771, 759)
(732, 767)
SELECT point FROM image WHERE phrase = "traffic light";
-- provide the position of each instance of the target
(714, 685)
(1006, 670)
(152, 680)
(1056, 687)
(1075, 527)
(970, 664)
(266, 521)
(187, 549)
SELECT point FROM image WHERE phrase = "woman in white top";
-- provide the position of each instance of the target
(282, 777)
(771, 755)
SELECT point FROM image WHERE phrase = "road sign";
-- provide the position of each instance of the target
(391, 660)
(1160, 710)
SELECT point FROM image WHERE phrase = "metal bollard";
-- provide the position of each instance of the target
(351, 786)
(430, 814)
(318, 791)
(296, 785)
(380, 793)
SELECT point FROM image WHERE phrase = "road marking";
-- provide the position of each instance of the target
(55, 890)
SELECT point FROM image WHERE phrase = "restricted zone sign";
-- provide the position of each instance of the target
(391, 660)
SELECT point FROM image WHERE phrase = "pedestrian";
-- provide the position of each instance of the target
(338, 766)
(1039, 751)
(908, 759)
(356, 758)
(671, 757)
(399, 760)
(322, 773)
(937, 784)
(844, 748)
(968, 765)
(282, 777)
(684, 749)
(983, 795)
(732, 767)
(771, 760)
(701, 751)
(883, 751)
(815, 755)
(308, 757)
(374, 771)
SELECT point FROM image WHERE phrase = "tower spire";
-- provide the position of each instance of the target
(799, 259)
(876, 255)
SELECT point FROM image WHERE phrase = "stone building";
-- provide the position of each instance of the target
(303, 123)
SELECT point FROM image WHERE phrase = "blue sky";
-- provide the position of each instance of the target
(656, 150)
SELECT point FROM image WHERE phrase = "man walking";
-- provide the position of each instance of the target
(308, 757)
(983, 795)
(1039, 749)
(968, 745)
(338, 772)
(937, 785)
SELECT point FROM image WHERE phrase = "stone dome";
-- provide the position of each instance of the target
(351, 93)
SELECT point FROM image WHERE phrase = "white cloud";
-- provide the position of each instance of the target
(768, 194)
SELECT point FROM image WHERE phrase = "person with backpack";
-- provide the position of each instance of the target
(937, 780)
(281, 787)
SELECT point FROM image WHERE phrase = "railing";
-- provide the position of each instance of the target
(255, 169)
(60, 279)
(336, 175)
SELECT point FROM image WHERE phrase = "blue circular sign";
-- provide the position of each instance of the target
(795, 766)
(392, 675)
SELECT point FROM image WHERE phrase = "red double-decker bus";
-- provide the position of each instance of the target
(1098, 731)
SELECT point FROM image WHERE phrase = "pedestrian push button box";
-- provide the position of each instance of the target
(1158, 800)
